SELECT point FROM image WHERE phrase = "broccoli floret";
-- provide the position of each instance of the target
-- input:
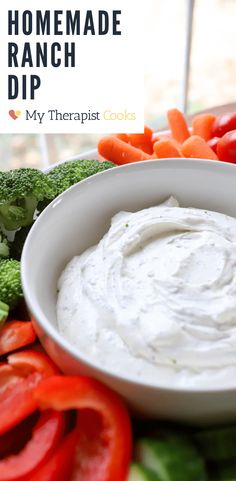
(17, 245)
(4, 247)
(10, 282)
(20, 192)
(4, 311)
(65, 175)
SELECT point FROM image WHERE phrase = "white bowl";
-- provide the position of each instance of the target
(78, 219)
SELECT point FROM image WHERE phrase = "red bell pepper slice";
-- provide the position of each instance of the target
(16, 334)
(60, 466)
(8, 375)
(18, 379)
(17, 402)
(13, 440)
(23, 363)
(30, 361)
(46, 436)
(104, 444)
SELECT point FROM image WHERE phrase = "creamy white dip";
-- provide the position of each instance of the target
(156, 298)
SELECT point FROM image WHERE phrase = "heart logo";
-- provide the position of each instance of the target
(14, 114)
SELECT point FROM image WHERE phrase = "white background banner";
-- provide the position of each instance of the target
(101, 93)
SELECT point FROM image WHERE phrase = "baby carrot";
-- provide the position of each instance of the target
(177, 124)
(123, 137)
(202, 125)
(197, 147)
(140, 138)
(143, 141)
(119, 152)
(167, 148)
(145, 147)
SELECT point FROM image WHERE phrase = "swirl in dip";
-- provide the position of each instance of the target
(156, 298)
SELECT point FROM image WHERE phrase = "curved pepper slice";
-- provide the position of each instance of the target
(18, 379)
(8, 375)
(16, 334)
(17, 402)
(14, 439)
(104, 445)
(45, 438)
(30, 361)
(60, 466)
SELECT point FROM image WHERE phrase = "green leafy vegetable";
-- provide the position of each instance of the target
(69, 173)
(172, 460)
(17, 245)
(140, 473)
(24, 192)
(4, 311)
(10, 282)
(20, 192)
(4, 247)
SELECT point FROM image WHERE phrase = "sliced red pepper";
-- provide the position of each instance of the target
(29, 361)
(16, 334)
(8, 375)
(18, 379)
(13, 440)
(104, 445)
(17, 401)
(45, 438)
(60, 466)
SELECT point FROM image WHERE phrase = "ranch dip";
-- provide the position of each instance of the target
(156, 298)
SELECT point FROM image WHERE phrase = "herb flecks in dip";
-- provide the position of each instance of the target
(156, 298)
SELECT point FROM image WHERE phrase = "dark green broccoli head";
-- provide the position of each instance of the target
(10, 282)
(20, 192)
(69, 173)
(4, 246)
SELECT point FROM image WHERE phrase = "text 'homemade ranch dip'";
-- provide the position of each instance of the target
(156, 298)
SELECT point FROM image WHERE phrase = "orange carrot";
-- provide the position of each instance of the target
(167, 148)
(177, 124)
(123, 137)
(197, 147)
(136, 139)
(119, 152)
(145, 147)
(143, 141)
(202, 125)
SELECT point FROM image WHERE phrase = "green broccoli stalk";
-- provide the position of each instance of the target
(4, 246)
(69, 173)
(10, 282)
(16, 246)
(20, 192)
(4, 311)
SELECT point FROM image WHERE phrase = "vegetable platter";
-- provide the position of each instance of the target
(55, 427)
